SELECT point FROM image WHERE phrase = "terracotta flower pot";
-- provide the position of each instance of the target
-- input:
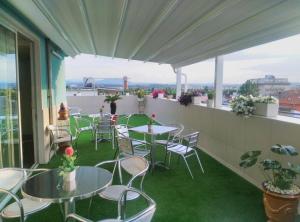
(280, 208)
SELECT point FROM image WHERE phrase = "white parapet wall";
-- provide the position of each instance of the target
(92, 104)
(225, 136)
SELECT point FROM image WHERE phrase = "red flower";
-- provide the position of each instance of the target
(69, 151)
(153, 115)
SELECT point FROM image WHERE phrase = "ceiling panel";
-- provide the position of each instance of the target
(178, 32)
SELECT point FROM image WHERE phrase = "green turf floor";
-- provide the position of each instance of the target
(217, 195)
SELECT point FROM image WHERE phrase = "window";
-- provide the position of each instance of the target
(270, 69)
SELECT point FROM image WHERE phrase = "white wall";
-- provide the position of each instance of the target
(92, 104)
(226, 136)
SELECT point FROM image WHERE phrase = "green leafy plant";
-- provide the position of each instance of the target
(112, 98)
(140, 93)
(243, 105)
(210, 94)
(280, 177)
(68, 161)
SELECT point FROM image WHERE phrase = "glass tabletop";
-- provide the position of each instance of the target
(48, 186)
(155, 129)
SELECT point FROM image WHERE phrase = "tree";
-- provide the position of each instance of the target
(249, 88)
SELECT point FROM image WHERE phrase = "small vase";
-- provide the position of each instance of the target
(69, 176)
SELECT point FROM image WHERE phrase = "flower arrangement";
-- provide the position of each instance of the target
(243, 105)
(151, 119)
(196, 93)
(68, 163)
(185, 99)
(279, 179)
(156, 92)
(265, 99)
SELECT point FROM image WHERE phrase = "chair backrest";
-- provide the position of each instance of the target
(192, 139)
(135, 165)
(124, 119)
(124, 144)
(145, 215)
(122, 130)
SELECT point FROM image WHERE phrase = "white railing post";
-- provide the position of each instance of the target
(218, 81)
(178, 82)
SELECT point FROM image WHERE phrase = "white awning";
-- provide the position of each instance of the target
(177, 32)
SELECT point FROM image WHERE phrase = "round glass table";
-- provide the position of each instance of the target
(50, 187)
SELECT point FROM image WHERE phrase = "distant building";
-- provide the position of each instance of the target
(125, 82)
(271, 86)
(290, 100)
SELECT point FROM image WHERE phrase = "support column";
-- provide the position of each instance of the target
(185, 82)
(218, 81)
(178, 82)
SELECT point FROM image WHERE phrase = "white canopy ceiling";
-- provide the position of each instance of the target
(178, 32)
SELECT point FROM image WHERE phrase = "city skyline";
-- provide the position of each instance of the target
(279, 58)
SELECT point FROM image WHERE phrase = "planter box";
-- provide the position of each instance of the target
(264, 109)
(160, 95)
(196, 100)
(210, 103)
(140, 99)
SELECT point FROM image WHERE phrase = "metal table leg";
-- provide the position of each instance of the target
(69, 208)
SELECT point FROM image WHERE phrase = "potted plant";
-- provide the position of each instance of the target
(140, 95)
(126, 91)
(196, 97)
(150, 122)
(68, 169)
(170, 93)
(158, 93)
(112, 100)
(281, 194)
(63, 112)
(243, 105)
(266, 106)
(185, 99)
(210, 98)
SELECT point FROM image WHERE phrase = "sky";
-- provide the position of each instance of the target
(280, 58)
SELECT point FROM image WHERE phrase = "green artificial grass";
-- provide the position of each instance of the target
(217, 195)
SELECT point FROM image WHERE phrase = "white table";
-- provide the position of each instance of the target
(156, 130)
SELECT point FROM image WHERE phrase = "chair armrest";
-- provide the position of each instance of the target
(15, 197)
(77, 217)
(106, 162)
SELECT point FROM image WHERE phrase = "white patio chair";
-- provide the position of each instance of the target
(122, 131)
(145, 215)
(87, 125)
(185, 151)
(74, 111)
(173, 134)
(136, 167)
(60, 135)
(130, 147)
(20, 208)
(104, 128)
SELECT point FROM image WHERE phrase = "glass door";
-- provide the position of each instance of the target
(9, 118)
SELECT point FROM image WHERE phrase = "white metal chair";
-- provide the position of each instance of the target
(185, 151)
(130, 147)
(74, 111)
(59, 135)
(173, 134)
(82, 125)
(122, 131)
(136, 167)
(20, 208)
(145, 215)
(104, 128)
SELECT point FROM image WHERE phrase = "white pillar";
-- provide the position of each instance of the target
(178, 83)
(185, 82)
(218, 81)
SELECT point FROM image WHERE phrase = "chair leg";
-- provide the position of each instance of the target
(96, 141)
(120, 172)
(90, 205)
(169, 159)
(186, 163)
(199, 161)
